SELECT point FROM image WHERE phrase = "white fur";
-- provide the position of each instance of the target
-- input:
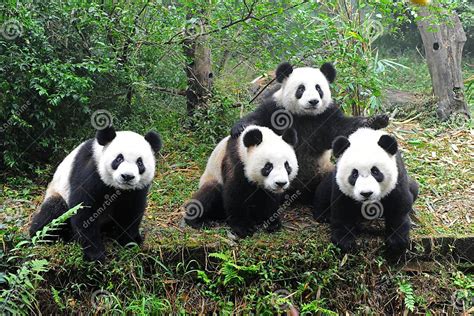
(272, 149)
(60, 183)
(132, 146)
(213, 170)
(363, 154)
(309, 77)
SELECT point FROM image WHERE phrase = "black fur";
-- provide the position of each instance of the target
(253, 138)
(242, 204)
(344, 213)
(389, 144)
(106, 135)
(155, 141)
(315, 133)
(328, 71)
(283, 71)
(339, 145)
(106, 210)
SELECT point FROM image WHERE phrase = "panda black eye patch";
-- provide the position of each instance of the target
(353, 177)
(320, 91)
(267, 169)
(117, 161)
(377, 174)
(287, 167)
(299, 91)
(140, 165)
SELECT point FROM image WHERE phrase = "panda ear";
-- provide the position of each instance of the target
(283, 71)
(253, 138)
(290, 136)
(105, 136)
(389, 144)
(154, 139)
(339, 146)
(328, 71)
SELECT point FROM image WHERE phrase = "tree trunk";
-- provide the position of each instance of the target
(198, 67)
(443, 49)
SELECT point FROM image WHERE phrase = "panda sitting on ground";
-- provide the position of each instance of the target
(244, 181)
(370, 180)
(304, 103)
(110, 175)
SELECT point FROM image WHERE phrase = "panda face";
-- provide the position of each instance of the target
(269, 160)
(127, 162)
(305, 90)
(366, 171)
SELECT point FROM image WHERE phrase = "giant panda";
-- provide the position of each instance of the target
(304, 103)
(110, 175)
(244, 181)
(370, 181)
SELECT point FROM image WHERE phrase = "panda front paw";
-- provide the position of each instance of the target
(378, 121)
(243, 230)
(346, 242)
(396, 247)
(237, 130)
(92, 256)
(274, 226)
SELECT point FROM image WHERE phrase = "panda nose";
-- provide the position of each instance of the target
(281, 184)
(127, 177)
(313, 102)
(366, 194)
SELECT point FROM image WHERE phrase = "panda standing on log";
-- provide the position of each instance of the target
(110, 175)
(304, 103)
(370, 181)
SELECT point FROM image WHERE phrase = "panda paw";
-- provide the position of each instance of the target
(378, 121)
(237, 130)
(345, 244)
(396, 247)
(92, 256)
(243, 231)
(274, 226)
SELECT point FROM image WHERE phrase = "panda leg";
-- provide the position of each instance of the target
(206, 204)
(322, 200)
(397, 229)
(53, 207)
(414, 188)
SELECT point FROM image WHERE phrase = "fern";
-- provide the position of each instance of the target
(409, 297)
(19, 298)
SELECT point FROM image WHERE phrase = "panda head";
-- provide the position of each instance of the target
(269, 160)
(304, 90)
(366, 168)
(126, 160)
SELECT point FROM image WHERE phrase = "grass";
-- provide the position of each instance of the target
(184, 270)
